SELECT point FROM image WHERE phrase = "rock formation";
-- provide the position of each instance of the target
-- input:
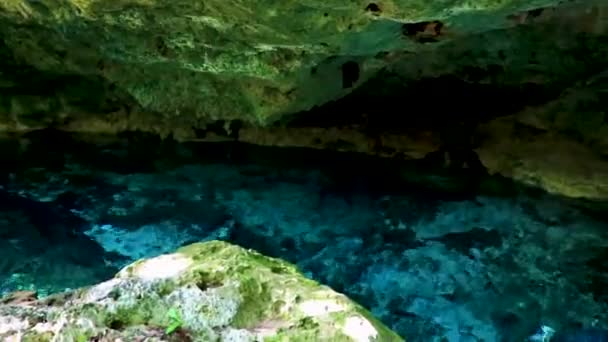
(514, 87)
(210, 291)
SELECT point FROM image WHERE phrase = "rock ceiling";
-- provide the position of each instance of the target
(522, 83)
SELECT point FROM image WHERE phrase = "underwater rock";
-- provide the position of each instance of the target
(583, 335)
(425, 264)
(43, 245)
(211, 291)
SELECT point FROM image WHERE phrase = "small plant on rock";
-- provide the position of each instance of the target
(175, 321)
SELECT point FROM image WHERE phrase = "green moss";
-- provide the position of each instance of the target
(277, 266)
(125, 317)
(164, 288)
(262, 287)
(250, 269)
(90, 311)
(200, 250)
(78, 335)
(37, 337)
(205, 280)
(295, 336)
(307, 323)
(307, 332)
(277, 306)
(256, 300)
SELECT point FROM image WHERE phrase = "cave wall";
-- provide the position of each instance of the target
(514, 87)
(176, 66)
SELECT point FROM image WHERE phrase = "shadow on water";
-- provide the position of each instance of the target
(424, 248)
(145, 153)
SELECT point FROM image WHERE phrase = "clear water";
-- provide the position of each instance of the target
(433, 266)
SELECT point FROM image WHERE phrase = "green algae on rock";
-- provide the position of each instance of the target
(171, 65)
(221, 292)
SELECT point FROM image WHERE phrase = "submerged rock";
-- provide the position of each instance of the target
(209, 291)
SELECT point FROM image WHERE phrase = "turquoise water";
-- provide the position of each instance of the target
(435, 266)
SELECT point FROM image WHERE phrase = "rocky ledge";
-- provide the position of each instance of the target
(209, 291)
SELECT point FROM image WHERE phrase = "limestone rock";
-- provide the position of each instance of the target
(168, 66)
(217, 70)
(561, 146)
(210, 291)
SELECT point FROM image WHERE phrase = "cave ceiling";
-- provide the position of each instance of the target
(520, 84)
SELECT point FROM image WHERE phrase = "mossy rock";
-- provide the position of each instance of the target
(168, 65)
(211, 291)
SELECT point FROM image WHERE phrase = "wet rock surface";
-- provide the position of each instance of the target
(432, 265)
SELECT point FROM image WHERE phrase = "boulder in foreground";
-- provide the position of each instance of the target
(211, 291)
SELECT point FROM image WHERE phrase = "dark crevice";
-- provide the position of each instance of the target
(387, 103)
(373, 7)
(220, 128)
(536, 12)
(350, 74)
(161, 47)
(423, 32)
